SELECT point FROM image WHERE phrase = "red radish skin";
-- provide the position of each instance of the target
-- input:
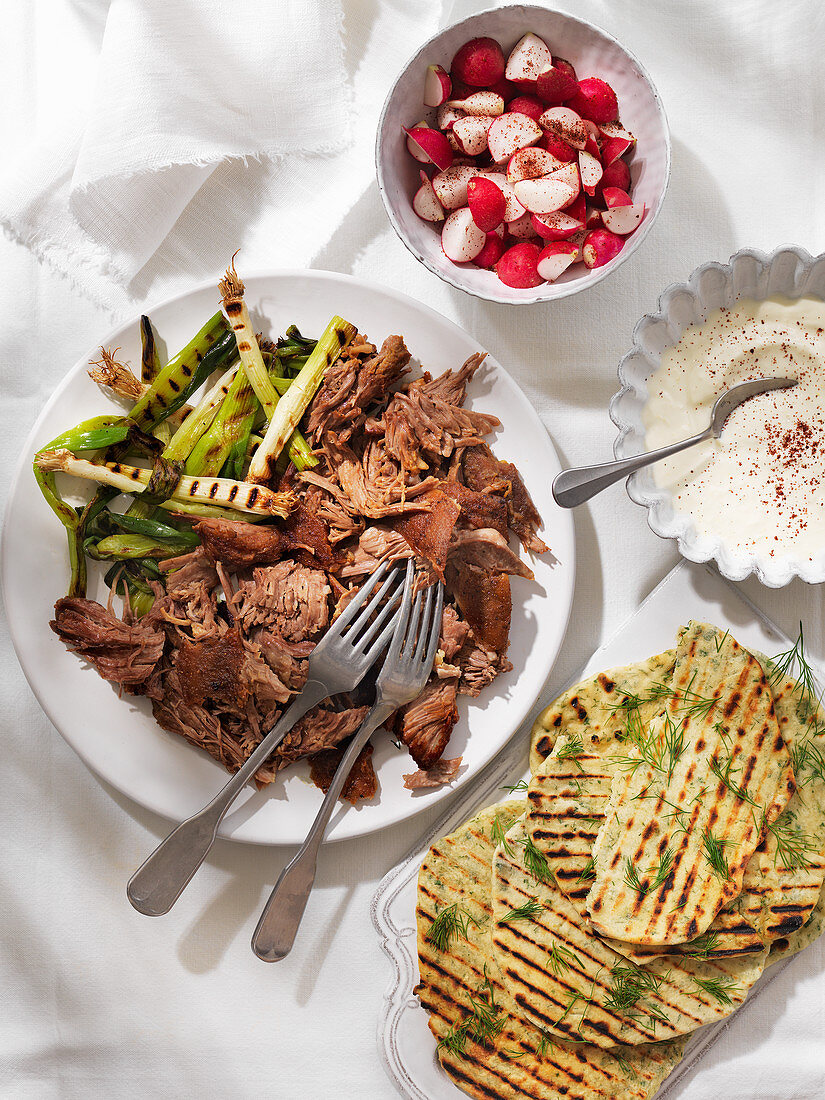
(600, 247)
(593, 149)
(437, 86)
(491, 252)
(505, 88)
(522, 229)
(528, 164)
(565, 67)
(556, 86)
(616, 174)
(565, 124)
(426, 203)
(593, 218)
(486, 202)
(556, 227)
(596, 100)
(615, 196)
(613, 148)
(530, 57)
(578, 208)
(554, 259)
(527, 105)
(510, 132)
(513, 209)
(518, 267)
(433, 144)
(624, 220)
(479, 63)
(487, 104)
(461, 239)
(560, 149)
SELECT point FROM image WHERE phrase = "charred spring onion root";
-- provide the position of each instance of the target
(295, 401)
(237, 495)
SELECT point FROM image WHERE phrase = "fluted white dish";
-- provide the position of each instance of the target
(592, 52)
(788, 271)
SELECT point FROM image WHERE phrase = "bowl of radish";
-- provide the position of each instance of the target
(522, 155)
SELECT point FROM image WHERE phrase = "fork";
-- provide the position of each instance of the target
(338, 663)
(403, 676)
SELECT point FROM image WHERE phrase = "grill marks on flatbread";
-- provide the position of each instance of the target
(568, 800)
(457, 869)
(641, 824)
(573, 1001)
(590, 709)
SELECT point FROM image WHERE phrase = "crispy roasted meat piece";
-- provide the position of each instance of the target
(361, 783)
(485, 602)
(211, 669)
(484, 472)
(425, 724)
(442, 772)
(430, 533)
(122, 652)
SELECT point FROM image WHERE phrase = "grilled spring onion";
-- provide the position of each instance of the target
(149, 362)
(232, 290)
(232, 422)
(293, 404)
(119, 537)
(236, 495)
(184, 373)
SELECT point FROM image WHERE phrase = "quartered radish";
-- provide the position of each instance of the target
(615, 196)
(429, 146)
(522, 228)
(566, 125)
(486, 202)
(471, 134)
(557, 84)
(600, 247)
(518, 267)
(437, 86)
(613, 148)
(560, 149)
(596, 100)
(491, 252)
(529, 58)
(616, 174)
(623, 219)
(461, 238)
(593, 218)
(616, 130)
(527, 164)
(426, 203)
(447, 115)
(545, 195)
(555, 258)
(480, 103)
(528, 105)
(513, 209)
(510, 132)
(559, 226)
(451, 185)
(591, 171)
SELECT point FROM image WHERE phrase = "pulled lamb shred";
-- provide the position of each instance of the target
(403, 472)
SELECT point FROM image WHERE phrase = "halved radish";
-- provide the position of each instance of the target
(615, 196)
(555, 258)
(426, 203)
(447, 116)
(451, 185)
(591, 171)
(461, 239)
(555, 85)
(593, 218)
(617, 174)
(518, 267)
(560, 149)
(528, 105)
(613, 148)
(559, 226)
(437, 86)
(545, 195)
(471, 134)
(622, 220)
(566, 125)
(486, 202)
(528, 59)
(491, 252)
(479, 62)
(510, 132)
(432, 144)
(480, 103)
(600, 246)
(596, 100)
(522, 228)
(513, 209)
(529, 163)
(616, 130)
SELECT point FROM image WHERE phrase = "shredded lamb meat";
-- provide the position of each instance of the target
(425, 724)
(123, 652)
(286, 597)
(441, 773)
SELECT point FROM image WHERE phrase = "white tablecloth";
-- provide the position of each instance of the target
(101, 1002)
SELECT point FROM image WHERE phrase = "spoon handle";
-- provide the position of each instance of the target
(574, 487)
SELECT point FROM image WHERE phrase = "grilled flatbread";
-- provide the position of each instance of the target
(568, 798)
(678, 835)
(517, 1061)
(564, 979)
(592, 708)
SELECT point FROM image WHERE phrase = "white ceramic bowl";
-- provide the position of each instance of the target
(789, 271)
(592, 52)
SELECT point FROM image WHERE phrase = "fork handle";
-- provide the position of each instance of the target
(158, 883)
(278, 925)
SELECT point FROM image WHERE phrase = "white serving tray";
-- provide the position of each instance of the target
(405, 1043)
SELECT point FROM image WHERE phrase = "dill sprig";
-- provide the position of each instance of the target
(720, 988)
(588, 871)
(807, 757)
(793, 847)
(545, 1044)
(450, 922)
(535, 862)
(723, 765)
(561, 958)
(702, 946)
(794, 664)
(654, 876)
(674, 742)
(573, 999)
(631, 877)
(497, 835)
(484, 1023)
(630, 986)
(528, 911)
(572, 749)
(522, 785)
(715, 853)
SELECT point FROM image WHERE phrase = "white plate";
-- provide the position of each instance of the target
(119, 739)
(405, 1042)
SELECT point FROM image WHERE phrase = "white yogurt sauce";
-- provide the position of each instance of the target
(761, 486)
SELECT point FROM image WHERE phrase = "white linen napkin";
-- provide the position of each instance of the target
(181, 88)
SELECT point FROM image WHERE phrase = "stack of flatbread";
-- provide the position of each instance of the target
(670, 847)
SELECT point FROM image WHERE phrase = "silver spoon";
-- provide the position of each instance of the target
(573, 487)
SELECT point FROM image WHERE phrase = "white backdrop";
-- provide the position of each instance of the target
(98, 1001)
